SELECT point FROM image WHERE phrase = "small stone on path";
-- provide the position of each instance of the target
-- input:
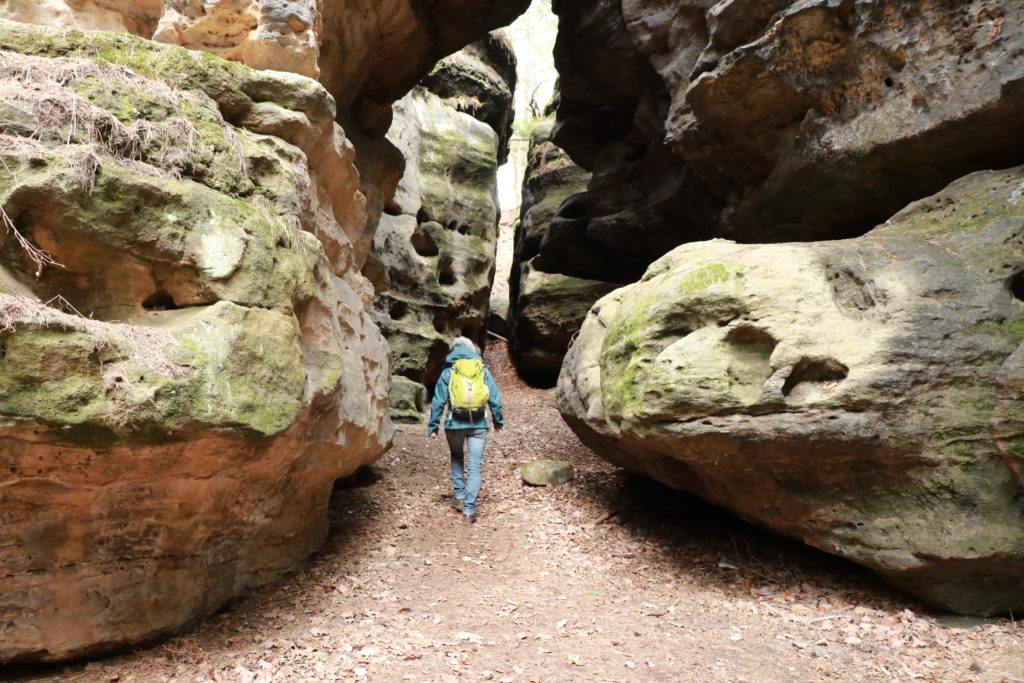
(547, 472)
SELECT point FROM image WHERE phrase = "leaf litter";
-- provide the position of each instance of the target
(664, 588)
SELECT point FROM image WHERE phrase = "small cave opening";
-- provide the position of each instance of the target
(889, 82)
(446, 274)
(574, 208)
(160, 300)
(422, 243)
(748, 335)
(398, 310)
(814, 370)
(1016, 284)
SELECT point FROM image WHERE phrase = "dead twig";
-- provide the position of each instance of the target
(608, 515)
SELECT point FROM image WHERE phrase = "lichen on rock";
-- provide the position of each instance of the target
(187, 359)
(860, 395)
(433, 255)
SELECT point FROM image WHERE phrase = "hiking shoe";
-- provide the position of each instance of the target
(468, 519)
(457, 504)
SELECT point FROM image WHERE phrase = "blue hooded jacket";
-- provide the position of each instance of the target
(440, 399)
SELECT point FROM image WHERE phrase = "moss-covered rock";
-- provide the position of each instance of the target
(546, 473)
(433, 258)
(407, 402)
(187, 362)
(860, 395)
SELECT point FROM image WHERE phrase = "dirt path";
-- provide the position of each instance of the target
(606, 578)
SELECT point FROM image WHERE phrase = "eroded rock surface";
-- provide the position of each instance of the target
(861, 395)
(782, 120)
(432, 262)
(558, 272)
(367, 53)
(178, 444)
(178, 447)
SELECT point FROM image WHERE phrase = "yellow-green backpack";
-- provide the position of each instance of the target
(467, 392)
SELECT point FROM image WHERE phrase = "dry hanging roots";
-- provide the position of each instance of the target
(147, 347)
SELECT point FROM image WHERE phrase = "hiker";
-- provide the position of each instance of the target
(467, 398)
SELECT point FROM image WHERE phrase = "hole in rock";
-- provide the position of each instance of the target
(814, 370)
(748, 335)
(398, 310)
(446, 274)
(423, 243)
(160, 300)
(573, 208)
(1017, 286)
(889, 82)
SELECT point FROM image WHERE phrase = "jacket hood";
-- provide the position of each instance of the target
(461, 352)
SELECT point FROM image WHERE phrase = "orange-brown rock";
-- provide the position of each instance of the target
(174, 444)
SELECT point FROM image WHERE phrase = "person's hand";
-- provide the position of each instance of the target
(497, 430)
(434, 435)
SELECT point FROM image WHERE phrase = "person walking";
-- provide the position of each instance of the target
(465, 387)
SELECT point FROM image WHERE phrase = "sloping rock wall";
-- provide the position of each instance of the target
(432, 262)
(773, 121)
(861, 395)
(547, 306)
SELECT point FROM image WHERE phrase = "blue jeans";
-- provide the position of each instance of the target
(466, 476)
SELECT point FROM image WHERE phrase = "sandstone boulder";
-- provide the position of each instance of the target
(187, 362)
(861, 395)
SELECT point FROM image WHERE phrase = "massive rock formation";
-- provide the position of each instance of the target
(176, 445)
(432, 262)
(548, 306)
(772, 121)
(861, 395)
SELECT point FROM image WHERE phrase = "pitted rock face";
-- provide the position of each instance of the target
(432, 262)
(861, 395)
(171, 424)
(775, 121)
(275, 34)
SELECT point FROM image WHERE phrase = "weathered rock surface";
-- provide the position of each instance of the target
(265, 34)
(546, 473)
(861, 395)
(548, 306)
(782, 120)
(480, 80)
(179, 448)
(176, 446)
(367, 53)
(432, 262)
